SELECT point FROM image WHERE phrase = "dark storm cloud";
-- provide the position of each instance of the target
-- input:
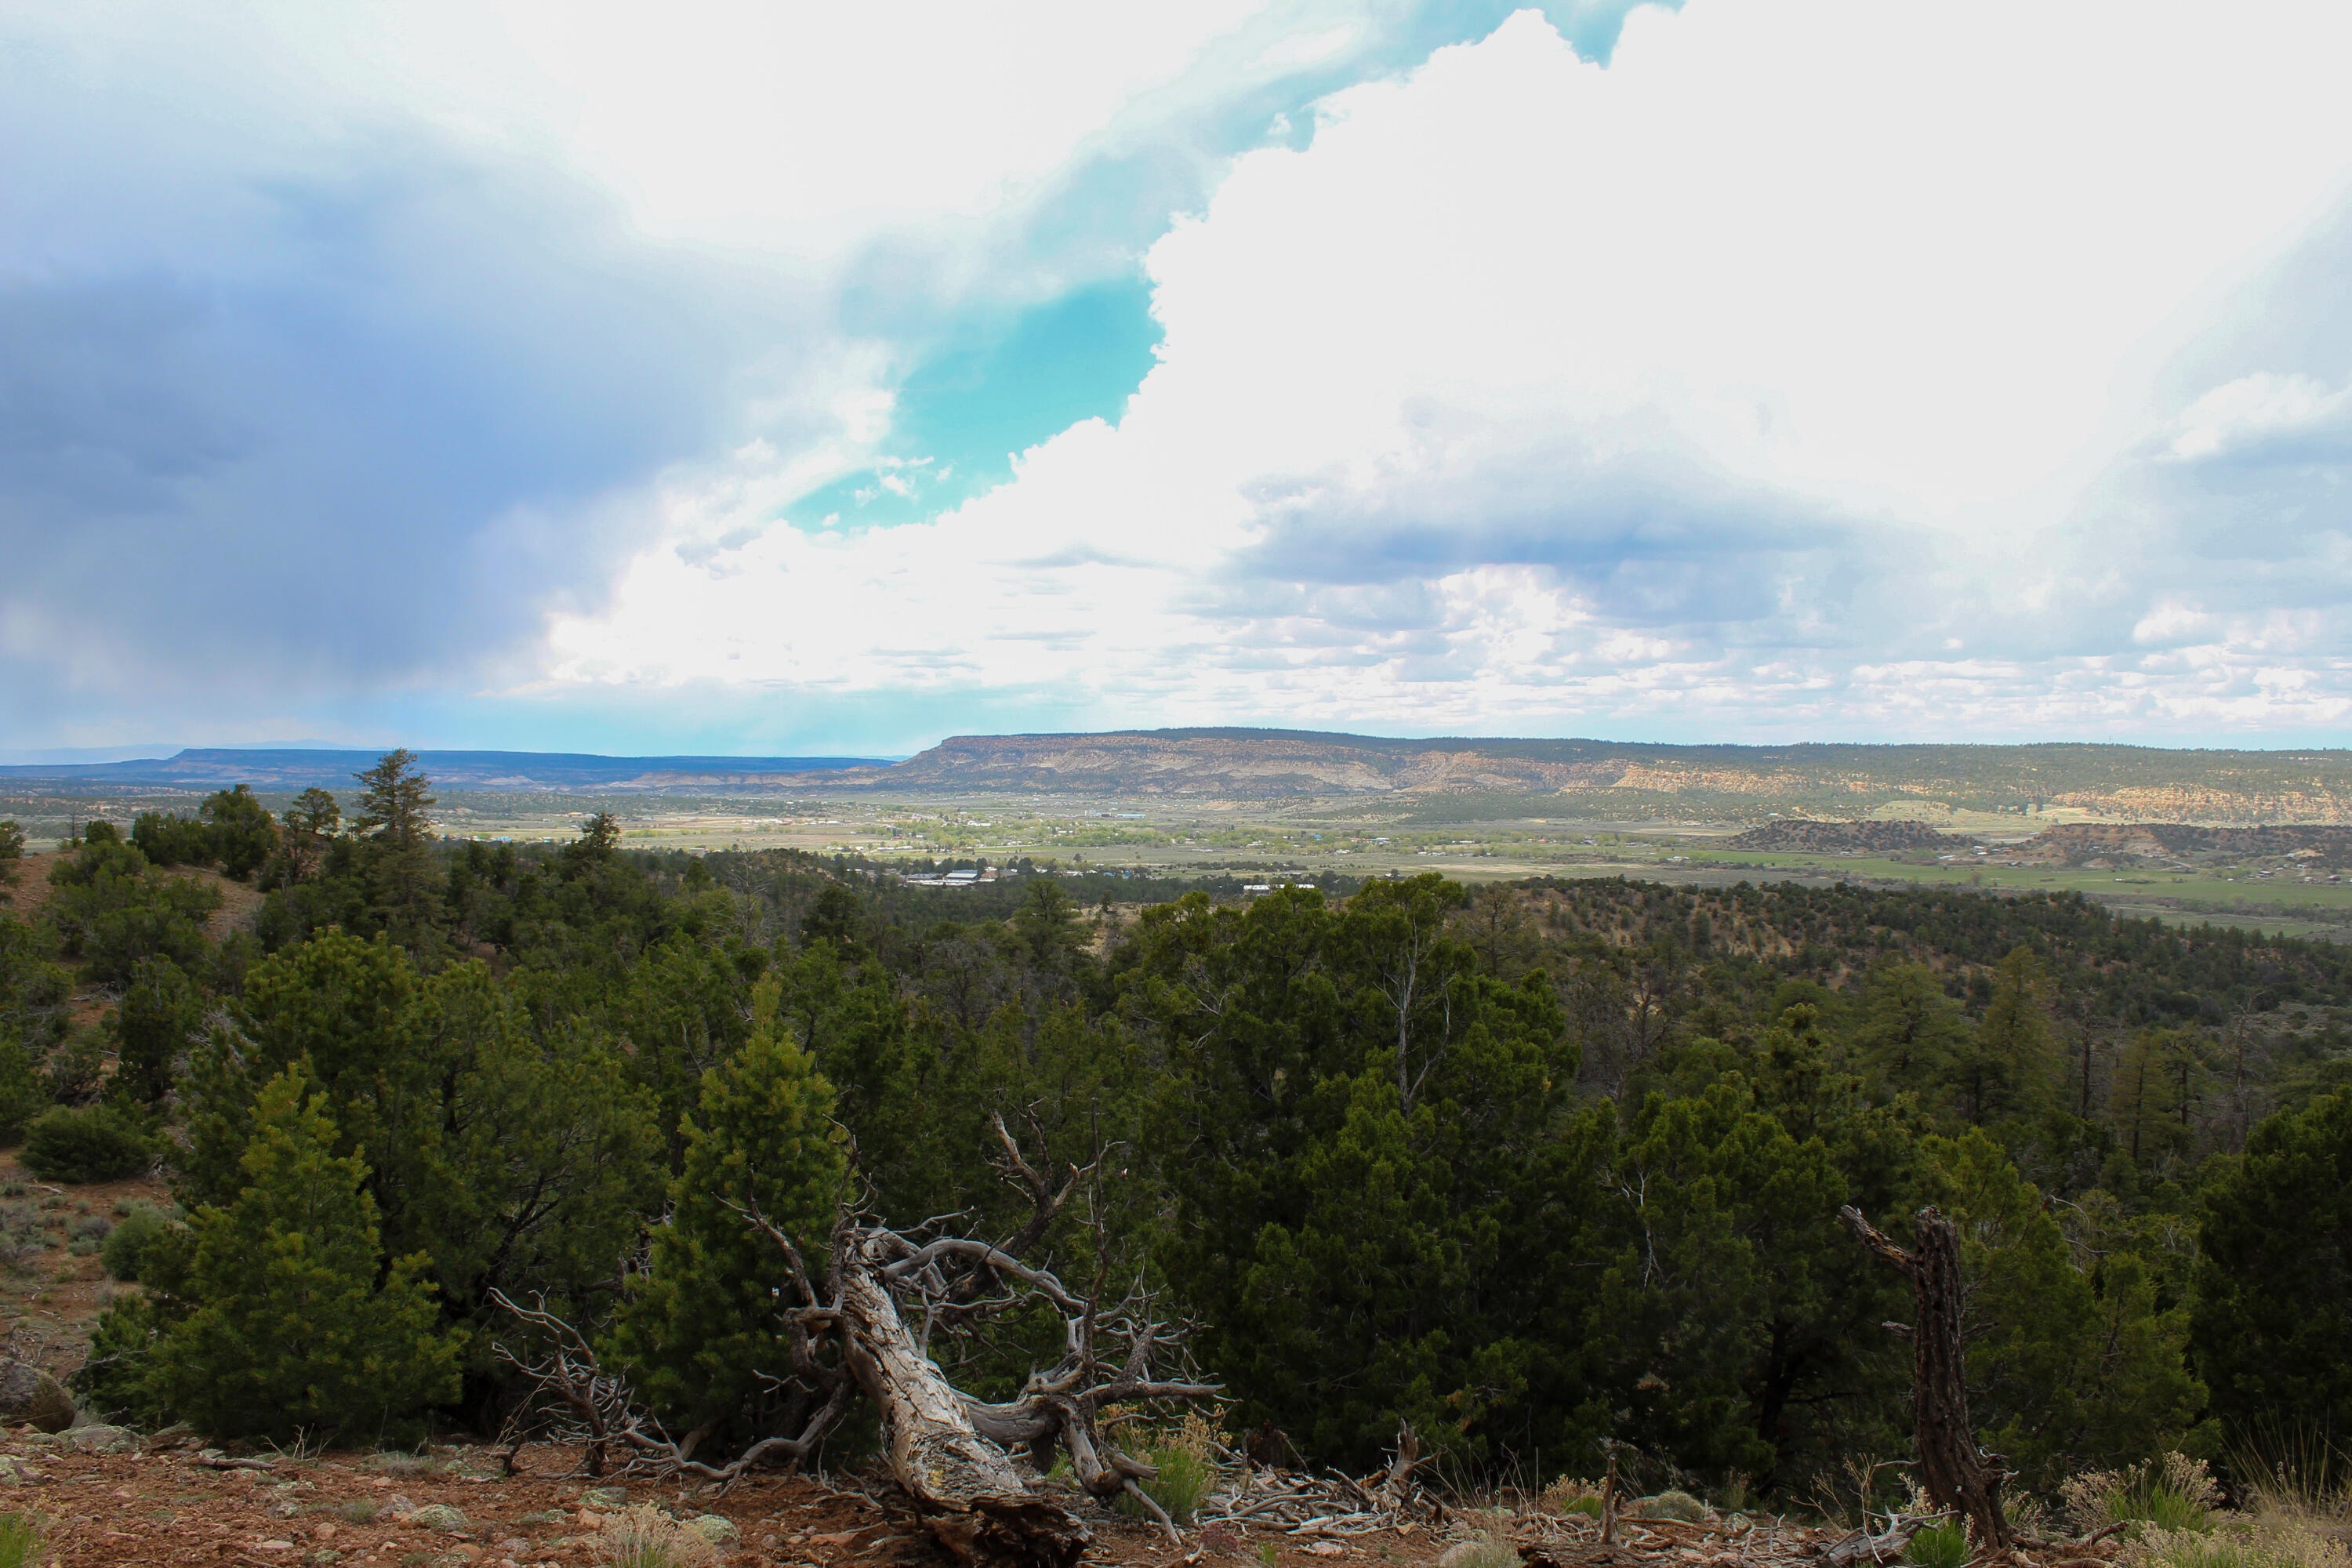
(359, 445)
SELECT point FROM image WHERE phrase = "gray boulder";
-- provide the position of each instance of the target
(97, 1439)
(28, 1395)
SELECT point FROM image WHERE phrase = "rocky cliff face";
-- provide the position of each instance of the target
(1595, 776)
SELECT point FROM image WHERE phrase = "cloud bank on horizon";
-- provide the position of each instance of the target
(778, 379)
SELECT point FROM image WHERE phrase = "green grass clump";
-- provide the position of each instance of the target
(1939, 1546)
(1185, 1478)
(20, 1540)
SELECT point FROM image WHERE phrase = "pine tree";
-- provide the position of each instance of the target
(392, 815)
(300, 1328)
(2007, 1070)
(395, 802)
(703, 1320)
(1911, 1032)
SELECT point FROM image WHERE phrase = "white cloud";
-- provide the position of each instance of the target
(792, 130)
(1735, 385)
(2261, 412)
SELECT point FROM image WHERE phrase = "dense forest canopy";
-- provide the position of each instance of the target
(1549, 1171)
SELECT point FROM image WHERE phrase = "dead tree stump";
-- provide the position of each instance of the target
(1956, 1474)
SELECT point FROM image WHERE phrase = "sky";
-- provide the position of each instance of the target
(788, 379)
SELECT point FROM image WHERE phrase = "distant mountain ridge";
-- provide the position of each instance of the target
(299, 768)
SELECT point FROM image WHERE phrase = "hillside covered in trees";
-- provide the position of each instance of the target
(1549, 1174)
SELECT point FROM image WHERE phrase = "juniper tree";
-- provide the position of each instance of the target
(159, 1020)
(2273, 1331)
(242, 831)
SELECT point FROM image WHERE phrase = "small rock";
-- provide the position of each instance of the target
(12, 1474)
(100, 1438)
(606, 1497)
(437, 1516)
(31, 1395)
(1672, 1505)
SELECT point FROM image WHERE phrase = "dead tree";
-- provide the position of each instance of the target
(849, 1329)
(1957, 1475)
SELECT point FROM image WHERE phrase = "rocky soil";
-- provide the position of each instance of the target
(104, 1496)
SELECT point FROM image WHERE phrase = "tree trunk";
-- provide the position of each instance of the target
(976, 1503)
(1956, 1474)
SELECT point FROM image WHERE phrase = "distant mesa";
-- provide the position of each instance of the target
(1804, 834)
(1592, 780)
(1598, 779)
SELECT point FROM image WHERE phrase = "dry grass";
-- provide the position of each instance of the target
(2239, 1540)
(2293, 1515)
(645, 1537)
(2172, 1495)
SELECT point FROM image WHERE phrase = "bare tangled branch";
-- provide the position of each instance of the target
(848, 1331)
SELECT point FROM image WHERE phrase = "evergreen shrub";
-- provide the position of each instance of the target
(91, 1144)
(127, 1243)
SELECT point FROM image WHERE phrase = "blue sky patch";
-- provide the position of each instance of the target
(965, 411)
